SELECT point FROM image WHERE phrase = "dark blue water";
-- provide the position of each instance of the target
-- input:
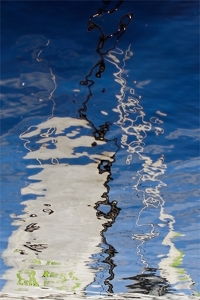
(102, 126)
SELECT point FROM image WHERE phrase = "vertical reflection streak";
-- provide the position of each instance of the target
(134, 131)
(147, 182)
(151, 170)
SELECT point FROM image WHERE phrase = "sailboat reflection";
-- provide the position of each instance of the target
(61, 241)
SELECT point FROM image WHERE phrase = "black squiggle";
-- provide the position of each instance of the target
(100, 133)
(31, 227)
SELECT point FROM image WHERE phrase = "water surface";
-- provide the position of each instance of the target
(100, 147)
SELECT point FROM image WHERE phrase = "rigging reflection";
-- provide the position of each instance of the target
(155, 278)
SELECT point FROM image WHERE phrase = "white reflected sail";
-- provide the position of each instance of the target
(59, 230)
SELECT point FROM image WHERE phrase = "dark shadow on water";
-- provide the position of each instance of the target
(148, 283)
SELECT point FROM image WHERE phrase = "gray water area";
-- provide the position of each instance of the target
(100, 173)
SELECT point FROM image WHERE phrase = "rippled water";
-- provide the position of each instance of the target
(100, 148)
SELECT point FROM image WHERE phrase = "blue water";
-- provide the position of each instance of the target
(146, 104)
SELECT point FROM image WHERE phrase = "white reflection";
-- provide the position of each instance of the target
(140, 84)
(170, 266)
(147, 181)
(59, 230)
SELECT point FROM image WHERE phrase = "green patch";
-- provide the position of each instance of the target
(46, 274)
(181, 271)
(37, 261)
(178, 260)
(55, 263)
(29, 279)
(53, 274)
(183, 278)
(71, 276)
(62, 280)
(176, 234)
(77, 285)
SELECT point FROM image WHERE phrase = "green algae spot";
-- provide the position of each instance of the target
(28, 277)
(181, 271)
(177, 234)
(31, 281)
(76, 286)
(178, 260)
(71, 275)
(37, 261)
(46, 274)
(183, 278)
(53, 263)
(62, 278)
